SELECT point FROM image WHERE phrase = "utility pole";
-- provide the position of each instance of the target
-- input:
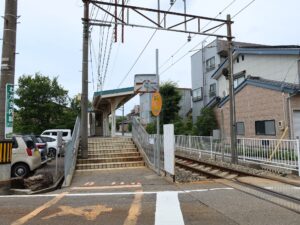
(7, 75)
(85, 77)
(8, 57)
(157, 118)
(234, 158)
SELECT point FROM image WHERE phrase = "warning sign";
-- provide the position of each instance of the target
(156, 104)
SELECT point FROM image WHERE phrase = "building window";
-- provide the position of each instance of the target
(212, 90)
(238, 59)
(210, 64)
(197, 94)
(240, 128)
(238, 81)
(243, 57)
(265, 127)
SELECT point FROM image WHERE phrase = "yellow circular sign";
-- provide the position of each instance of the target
(156, 104)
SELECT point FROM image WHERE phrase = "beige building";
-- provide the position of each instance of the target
(264, 109)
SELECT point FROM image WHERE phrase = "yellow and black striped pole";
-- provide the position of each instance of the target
(5, 152)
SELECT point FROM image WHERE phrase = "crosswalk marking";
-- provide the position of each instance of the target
(168, 211)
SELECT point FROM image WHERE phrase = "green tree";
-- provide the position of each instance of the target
(206, 122)
(42, 104)
(170, 102)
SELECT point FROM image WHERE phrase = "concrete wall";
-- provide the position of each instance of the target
(202, 77)
(255, 104)
(295, 107)
(185, 102)
(145, 108)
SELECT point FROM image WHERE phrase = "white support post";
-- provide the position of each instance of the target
(244, 156)
(298, 157)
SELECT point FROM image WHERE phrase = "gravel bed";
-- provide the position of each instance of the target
(239, 167)
(184, 176)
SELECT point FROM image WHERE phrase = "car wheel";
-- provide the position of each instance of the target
(20, 170)
(52, 153)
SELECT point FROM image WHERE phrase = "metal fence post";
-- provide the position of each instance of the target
(211, 147)
(190, 142)
(298, 150)
(244, 155)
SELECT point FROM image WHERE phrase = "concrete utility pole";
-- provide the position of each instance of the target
(157, 118)
(7, 78)
(234, 158)
(8, 57)
(85, 77)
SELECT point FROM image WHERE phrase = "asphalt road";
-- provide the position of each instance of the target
(138, 196)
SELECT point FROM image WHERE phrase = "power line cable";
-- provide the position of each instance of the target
(240, 11)
(142, 52)
(180, 48)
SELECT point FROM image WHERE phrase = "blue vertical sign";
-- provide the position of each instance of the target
(9, 111)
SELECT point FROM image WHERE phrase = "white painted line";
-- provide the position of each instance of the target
(105, 187)
(112, 193)
(168, 210)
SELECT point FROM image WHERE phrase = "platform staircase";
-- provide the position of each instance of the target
(110, 153)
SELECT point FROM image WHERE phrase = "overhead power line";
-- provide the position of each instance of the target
(183, 56)
(142, 52)
(181, 47)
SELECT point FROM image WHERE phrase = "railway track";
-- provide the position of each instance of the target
(238, 180)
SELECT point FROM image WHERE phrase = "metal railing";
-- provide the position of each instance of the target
(272, 152)
(144, 141)
(146, 144)
(71, 152)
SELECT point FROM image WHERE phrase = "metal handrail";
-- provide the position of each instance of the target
(71, 154)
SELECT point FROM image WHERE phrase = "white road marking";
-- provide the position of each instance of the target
(112, 193)
(168, 211)
(105, 187)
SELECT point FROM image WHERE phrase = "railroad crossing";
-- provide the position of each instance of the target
(139, 196)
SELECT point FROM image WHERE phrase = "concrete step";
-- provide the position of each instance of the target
(109, 160)
(110, 141)
(115, 155)
(110, 151)
(111, 146)
(96, 166)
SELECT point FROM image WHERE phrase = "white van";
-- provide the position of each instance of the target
(66, 133)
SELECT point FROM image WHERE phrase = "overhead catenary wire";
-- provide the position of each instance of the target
(183, 56)
(109, 55)
(143, 50)
(182, 46)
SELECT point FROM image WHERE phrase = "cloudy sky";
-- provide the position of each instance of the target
(49, 39)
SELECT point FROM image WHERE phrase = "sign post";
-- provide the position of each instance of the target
(9, 111)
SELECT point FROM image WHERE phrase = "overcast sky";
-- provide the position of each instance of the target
(49, 39)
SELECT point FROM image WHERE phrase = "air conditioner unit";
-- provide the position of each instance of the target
(281, 125)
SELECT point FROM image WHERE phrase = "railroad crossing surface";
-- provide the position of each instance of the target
(138, 196)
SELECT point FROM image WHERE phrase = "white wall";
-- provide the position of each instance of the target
(271, 67)
(198, 71)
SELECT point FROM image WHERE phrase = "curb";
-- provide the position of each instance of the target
(42, 191)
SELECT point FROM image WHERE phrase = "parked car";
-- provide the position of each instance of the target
(66, 133)
(41, 145)
(25, 156)
(52, 145)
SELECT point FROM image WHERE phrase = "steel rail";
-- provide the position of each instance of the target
(241, 184)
